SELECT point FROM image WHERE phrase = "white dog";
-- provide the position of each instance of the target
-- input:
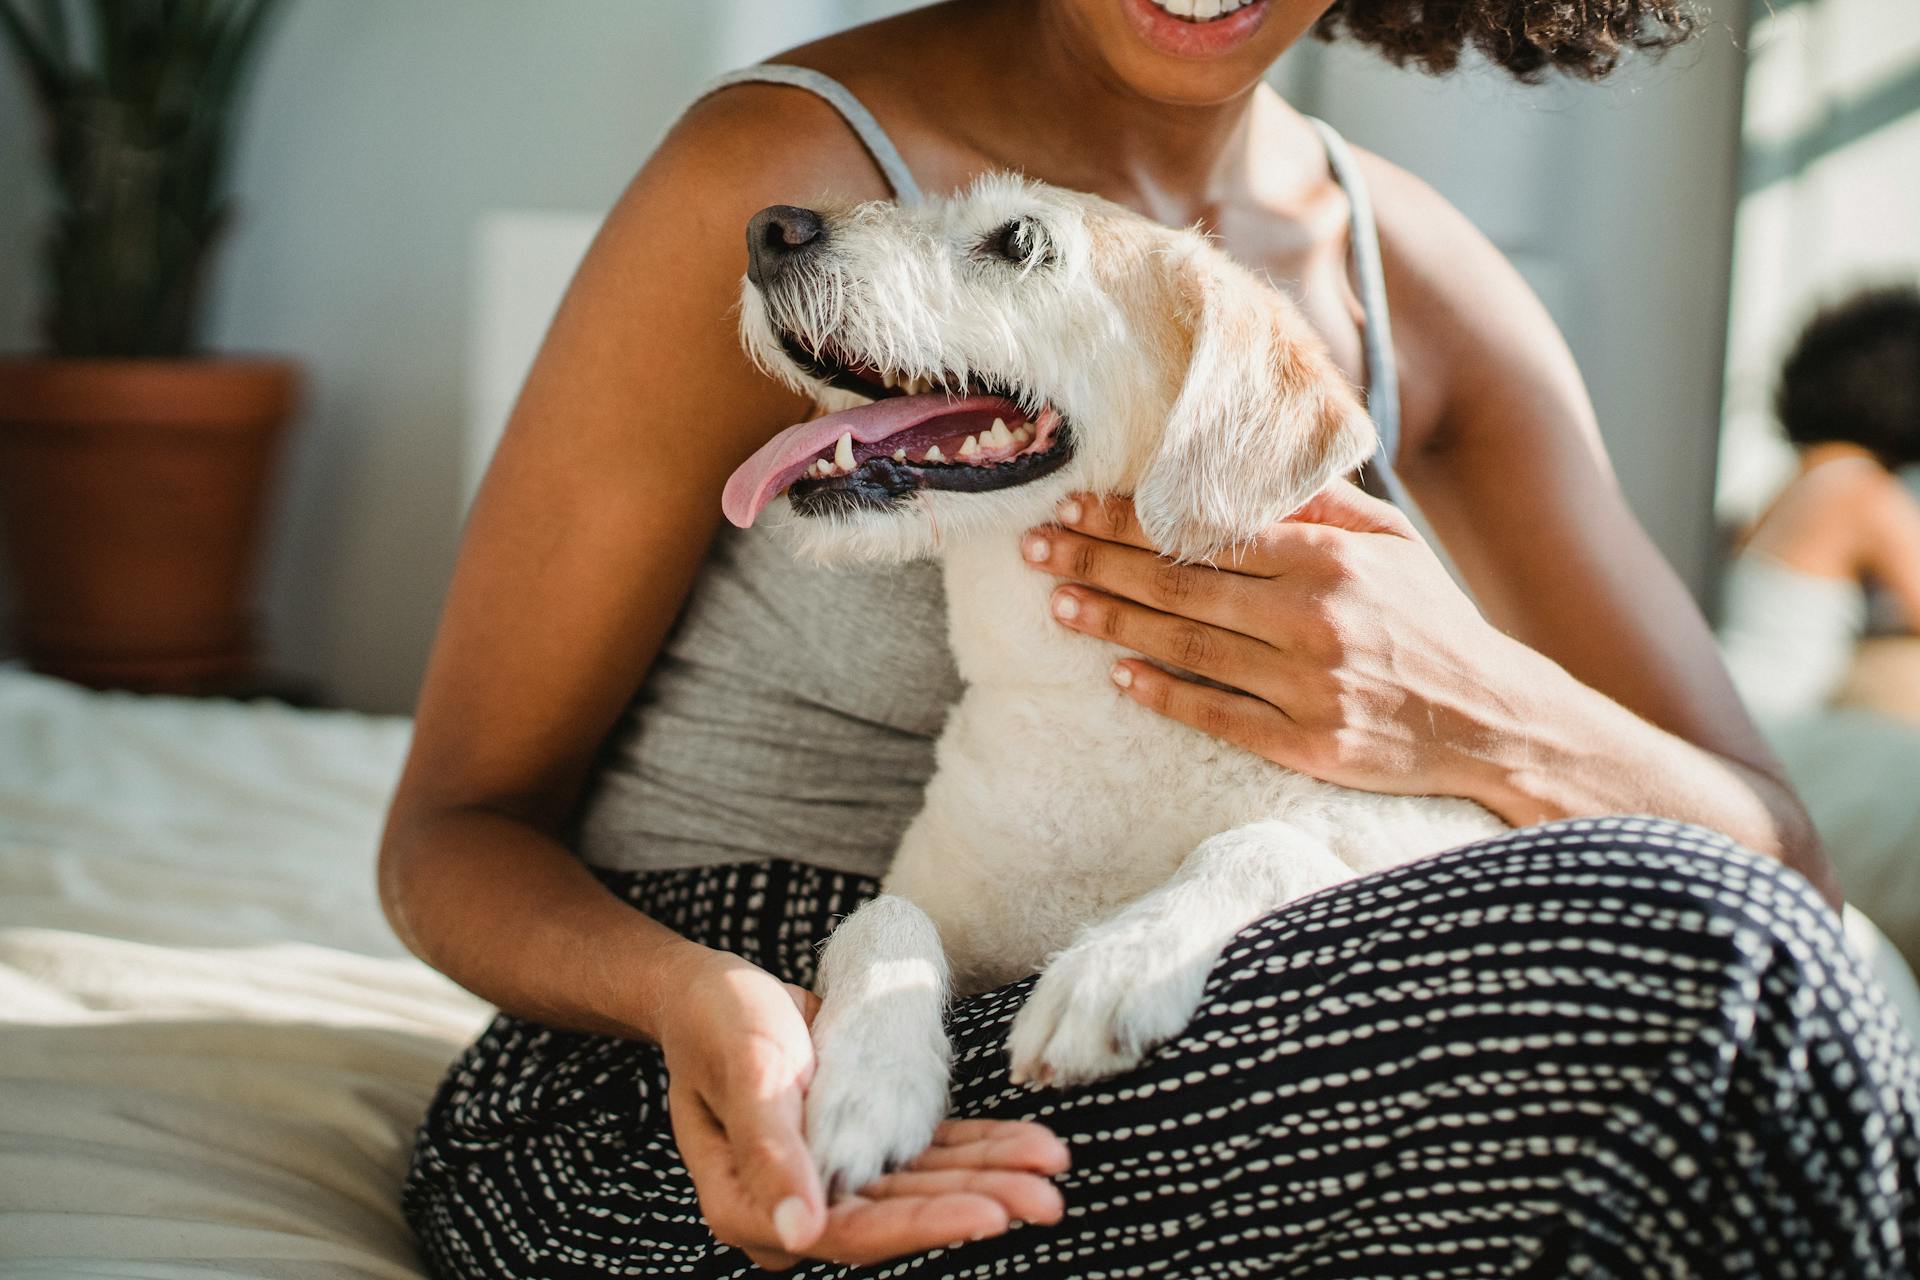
(987, 355)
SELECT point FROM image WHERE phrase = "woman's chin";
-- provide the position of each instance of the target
(1178, 61)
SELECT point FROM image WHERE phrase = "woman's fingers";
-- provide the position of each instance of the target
(1342, 505)
(726, 1202)
(977, 1179)
(1238, 718)
(1214, 652)
(1200, 592)
(1109, 519)
(1026, 1197)
(1347, 506)
(758, 1160)
(764, 1134)
(994, 1144)
(861, 1230)
(804, 1000)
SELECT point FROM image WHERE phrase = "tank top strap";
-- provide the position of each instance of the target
(1383, 373)
(836, 95)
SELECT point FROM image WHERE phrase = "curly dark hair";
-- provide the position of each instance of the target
(1529, 38)
(1854, 376)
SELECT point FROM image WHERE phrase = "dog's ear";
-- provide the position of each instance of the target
(1263, 420)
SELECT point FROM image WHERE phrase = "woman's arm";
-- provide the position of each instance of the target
(1591, 685)
(593, 521)
(1511, 473)
(585, 537)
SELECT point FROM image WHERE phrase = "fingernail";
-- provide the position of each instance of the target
(1065, 607)
(789, 1222)
(1068, 511)
(1122, 675)
(1035, 548)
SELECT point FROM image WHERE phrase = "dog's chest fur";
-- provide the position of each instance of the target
(1057, 799)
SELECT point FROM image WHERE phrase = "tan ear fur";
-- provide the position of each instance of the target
(1263, 420)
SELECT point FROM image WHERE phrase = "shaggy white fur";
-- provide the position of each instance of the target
(1067, 829)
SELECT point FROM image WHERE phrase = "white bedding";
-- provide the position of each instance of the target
(212, 1051)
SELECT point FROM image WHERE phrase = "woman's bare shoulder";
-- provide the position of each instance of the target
(769, 143)
(1466, 323)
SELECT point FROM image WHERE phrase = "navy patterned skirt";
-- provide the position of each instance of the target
(1609, 1047)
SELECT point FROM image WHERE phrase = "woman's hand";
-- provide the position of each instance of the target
(1351, 653)
(739, 1055)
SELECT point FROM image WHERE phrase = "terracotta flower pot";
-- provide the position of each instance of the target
(132, 503)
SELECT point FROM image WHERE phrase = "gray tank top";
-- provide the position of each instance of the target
(792, 711)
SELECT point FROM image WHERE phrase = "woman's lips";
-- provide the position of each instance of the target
(1184, 39)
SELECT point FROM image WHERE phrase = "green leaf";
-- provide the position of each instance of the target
(53, 21)
(32, 49)
(142, 124)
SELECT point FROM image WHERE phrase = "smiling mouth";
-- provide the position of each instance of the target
(921, 430)
(1200, 10)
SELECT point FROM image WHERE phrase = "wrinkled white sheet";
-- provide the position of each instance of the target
(212, 1051)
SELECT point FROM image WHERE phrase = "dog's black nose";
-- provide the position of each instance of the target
(779, 236)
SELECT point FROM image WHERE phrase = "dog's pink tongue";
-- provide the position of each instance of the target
(779, 462)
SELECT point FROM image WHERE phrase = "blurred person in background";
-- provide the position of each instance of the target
(1845, 527)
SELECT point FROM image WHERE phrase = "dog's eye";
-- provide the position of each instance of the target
(1016, 241)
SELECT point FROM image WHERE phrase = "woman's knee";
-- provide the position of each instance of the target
(1643, 867)
(1614, 881)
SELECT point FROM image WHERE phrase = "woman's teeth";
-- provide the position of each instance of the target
(1200, 10)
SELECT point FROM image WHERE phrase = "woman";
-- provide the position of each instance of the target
(1796, 595)
(1569, 1048)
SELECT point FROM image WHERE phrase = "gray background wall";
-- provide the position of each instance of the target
(381, 133)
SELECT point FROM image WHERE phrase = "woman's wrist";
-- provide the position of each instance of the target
(649, 998)
(1566, 750)
(1554, 749)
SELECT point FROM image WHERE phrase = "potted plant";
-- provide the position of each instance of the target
(134, 469)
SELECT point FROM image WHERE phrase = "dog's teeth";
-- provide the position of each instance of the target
(899, 455)
(886, 380)
(1022, 434)
(934, 455)
(969, 448)
(1000, 437)
(843, 452)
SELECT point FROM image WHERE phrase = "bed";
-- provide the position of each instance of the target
(212, 1050)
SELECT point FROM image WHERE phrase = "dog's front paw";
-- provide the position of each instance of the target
(874, 1101)
(1102, 1005)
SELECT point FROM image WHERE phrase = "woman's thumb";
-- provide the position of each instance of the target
(1344, 505)
(776, 1169)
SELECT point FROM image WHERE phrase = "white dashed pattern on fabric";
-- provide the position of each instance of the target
(1613, 1047)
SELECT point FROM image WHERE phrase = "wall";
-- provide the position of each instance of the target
(383, 133)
